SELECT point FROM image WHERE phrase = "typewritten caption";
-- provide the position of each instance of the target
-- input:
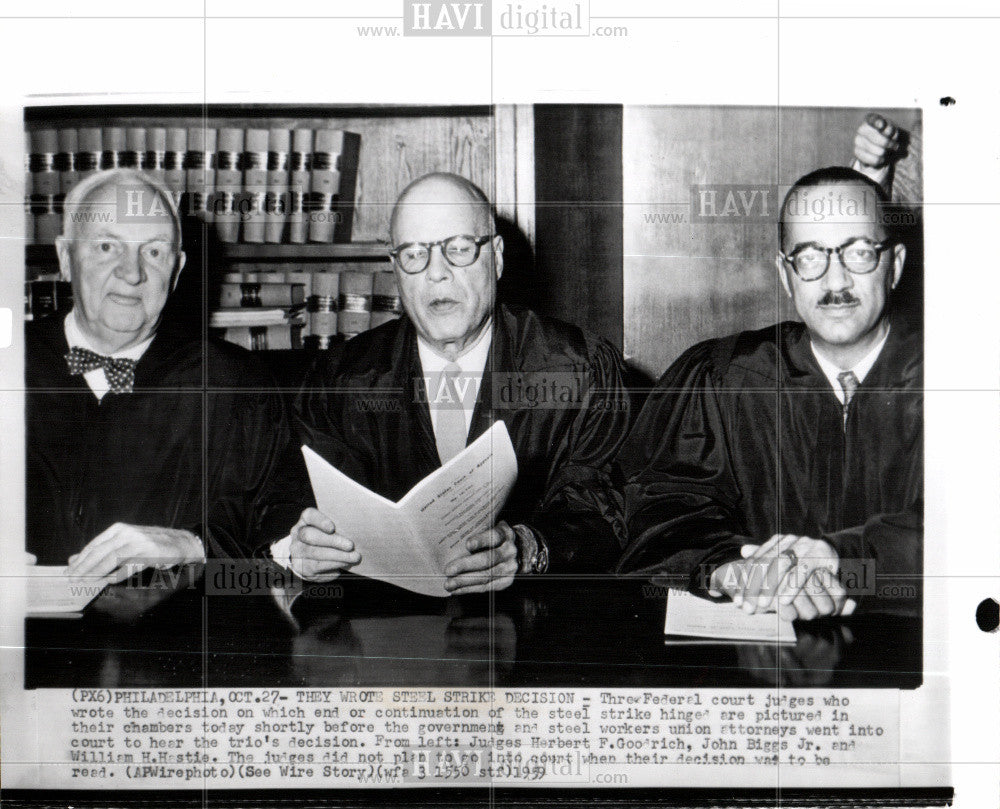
(384, 737)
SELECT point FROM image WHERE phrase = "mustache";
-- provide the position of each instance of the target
(838, 299)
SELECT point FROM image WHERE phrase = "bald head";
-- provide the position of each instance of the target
(442, 190)
(449, 302)
(126, 194)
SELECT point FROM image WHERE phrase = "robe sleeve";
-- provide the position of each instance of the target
(258, 485)
(894, 542)
(681, 494)
(893, 537)
(580, 514)
(328, 422)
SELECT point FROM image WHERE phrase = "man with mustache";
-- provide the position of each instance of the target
(408, 396)
(764, 460)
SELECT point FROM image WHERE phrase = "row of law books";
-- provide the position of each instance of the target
(257, 185)
(298, 308)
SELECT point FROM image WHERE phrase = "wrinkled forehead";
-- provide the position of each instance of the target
(133, 211)
(436, 212)
(831, 215)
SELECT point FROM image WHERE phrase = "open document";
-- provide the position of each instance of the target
(689, 616)
(51, 591)
(410, 543)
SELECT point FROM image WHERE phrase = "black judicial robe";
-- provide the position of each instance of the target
(369, 417)
(743, 438)
(202, 443)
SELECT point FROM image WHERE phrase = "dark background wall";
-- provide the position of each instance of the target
(578, 216)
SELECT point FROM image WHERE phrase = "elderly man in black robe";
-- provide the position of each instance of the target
(146, 446)
(762, 462)
(558, 389)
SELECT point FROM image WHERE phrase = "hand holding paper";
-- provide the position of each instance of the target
(318, 553)
(422, 541)
(490, 565)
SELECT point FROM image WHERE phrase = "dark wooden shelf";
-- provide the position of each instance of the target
(44, 255)
(351, 251)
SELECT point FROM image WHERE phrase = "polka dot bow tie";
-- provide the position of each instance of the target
(120, 373)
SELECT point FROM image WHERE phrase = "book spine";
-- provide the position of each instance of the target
(156, 148)
(174, 158)
(299, 168)
(88, 159)
(135, 147)
(234, 294)
(323, 309)
(250, 205)
(113, 147)
(350, 152)
(261, 293)
(265, 338)
(386, 303)
(69, 144)
(48, 297)
(201, 172)
(355, 307)
(45, 183)
(238, 335)
(324, 185)
(305, 280)
(276, 199)
(228, 182)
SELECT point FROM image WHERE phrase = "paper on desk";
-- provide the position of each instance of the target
(51, 591)
(410, 543)
(689, 616)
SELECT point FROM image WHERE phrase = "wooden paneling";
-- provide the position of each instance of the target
(578, 193)
(686, 281)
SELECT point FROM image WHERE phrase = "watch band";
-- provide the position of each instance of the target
(533, 553)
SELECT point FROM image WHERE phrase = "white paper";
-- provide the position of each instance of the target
(691, 616)
(410, 543)
(51, 591)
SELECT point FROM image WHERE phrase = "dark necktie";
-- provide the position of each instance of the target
(849, 382)
(450, 433)
(120, 373)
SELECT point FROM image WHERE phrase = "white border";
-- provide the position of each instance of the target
(882, 60)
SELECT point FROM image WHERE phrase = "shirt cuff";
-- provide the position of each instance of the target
(878, 175)
(281, 552)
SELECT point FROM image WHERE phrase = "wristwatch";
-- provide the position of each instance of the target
(532, 552)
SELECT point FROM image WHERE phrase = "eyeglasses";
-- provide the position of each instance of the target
(859, 256)
(458, 251)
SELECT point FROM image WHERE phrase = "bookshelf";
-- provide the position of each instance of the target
(395, 144)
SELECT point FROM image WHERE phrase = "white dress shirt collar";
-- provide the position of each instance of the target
(860, 369)
(472, 364)
(472, 361)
